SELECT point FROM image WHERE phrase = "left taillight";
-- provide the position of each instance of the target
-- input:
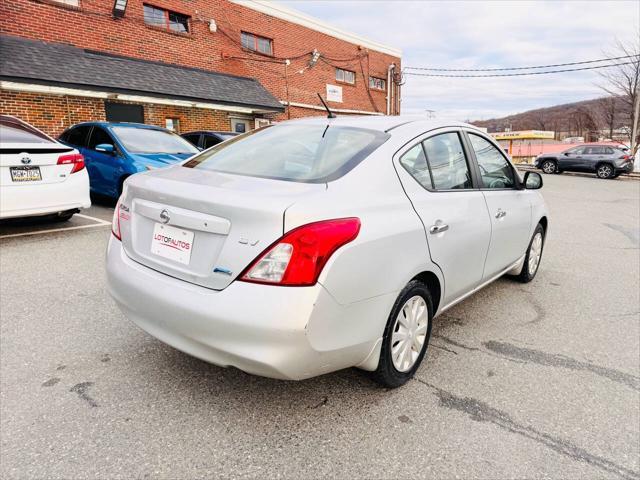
(115, 221)
(297, 259)
(74, 159)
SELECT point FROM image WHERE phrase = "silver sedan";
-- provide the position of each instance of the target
(321, 244)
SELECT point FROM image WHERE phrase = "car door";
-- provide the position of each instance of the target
(104, 168)
(598, 154)
(571, 159)
(508, 204)
(436, 176)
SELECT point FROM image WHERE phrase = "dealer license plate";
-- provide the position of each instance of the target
(172, 243)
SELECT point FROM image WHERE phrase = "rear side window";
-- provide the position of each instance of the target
(209, 141)
(415, 162)
(293, 152)
(495, 170)
(192, 138)
(447, 162)
(609, 151)
(76, 136)
(13, 130)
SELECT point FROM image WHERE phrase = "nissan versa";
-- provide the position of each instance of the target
(320, 244)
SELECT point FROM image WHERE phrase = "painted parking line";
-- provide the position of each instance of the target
(53, 230)
(98, 222)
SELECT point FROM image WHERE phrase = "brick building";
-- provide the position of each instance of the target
(186, 64)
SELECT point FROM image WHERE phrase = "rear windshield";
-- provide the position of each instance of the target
(13, 130)
(299, 153)
(149, 140)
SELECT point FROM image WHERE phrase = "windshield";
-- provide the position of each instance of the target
(300, 153)
(147, 140)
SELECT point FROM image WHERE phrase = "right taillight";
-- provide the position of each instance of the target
(297, 259)
(115, 221)
(74, 159)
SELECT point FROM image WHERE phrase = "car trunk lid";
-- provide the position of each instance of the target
(203, 227)
(31, 164)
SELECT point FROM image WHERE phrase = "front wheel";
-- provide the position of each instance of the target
(549, 166)
(533, 256)
(605, 171)
(406, 336)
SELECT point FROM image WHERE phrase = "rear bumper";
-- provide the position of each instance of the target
(627, 168)
(265, 330)
(42, 199)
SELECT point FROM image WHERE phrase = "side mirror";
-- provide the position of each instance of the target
(105, 148)
(532, 181)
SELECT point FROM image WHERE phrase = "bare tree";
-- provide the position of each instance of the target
(608, 113)
(623, 81)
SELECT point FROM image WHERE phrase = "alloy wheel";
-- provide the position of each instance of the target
(535, 253)
(409, 333)
(549, 167)
(604, 171)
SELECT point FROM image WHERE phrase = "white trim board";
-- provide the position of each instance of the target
(290, 15)
(51, 90)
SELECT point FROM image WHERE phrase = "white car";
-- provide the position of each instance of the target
(320, 244)
(38, 175)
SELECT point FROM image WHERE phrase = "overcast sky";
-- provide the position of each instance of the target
(477, 34)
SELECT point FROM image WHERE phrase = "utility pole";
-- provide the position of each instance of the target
(634, 127)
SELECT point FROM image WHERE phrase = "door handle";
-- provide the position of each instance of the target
(438, 228)
(500, 213)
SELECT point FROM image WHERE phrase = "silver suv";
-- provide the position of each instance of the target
(603, 160)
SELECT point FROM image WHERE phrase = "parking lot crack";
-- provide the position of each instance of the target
(631, 233)
(529, 355)
(480, 411)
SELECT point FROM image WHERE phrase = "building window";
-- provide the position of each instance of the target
(158, 17)
(71, 3)
(346, 76)
(172, 124)
(377, 83)
(256, 43)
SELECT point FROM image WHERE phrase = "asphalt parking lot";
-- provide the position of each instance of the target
(520, 381)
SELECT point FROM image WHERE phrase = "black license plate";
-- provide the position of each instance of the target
(25, 174)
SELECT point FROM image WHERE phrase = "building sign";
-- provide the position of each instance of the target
(334, 93)
(524, 135)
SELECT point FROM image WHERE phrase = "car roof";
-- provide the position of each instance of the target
(120, 124)
(216, 132)
(383, 123)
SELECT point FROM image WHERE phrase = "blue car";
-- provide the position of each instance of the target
(113, 151)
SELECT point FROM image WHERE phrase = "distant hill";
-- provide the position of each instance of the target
(589, 119)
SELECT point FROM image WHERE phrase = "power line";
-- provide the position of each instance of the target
(516, 74)
(518, 68)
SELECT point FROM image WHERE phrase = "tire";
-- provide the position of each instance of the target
(394, 373)
(605, 170)
(530, 268)
(549, 166)
(63, 216)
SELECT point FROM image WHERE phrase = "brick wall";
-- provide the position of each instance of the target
(54, 113)
(92, 26)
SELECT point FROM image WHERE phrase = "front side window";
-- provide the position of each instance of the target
(256, 43)
(98, 137)
(149, 140)
(159, 17)
(447, 161)
(576, 151)
(298, 153)
(346, 76)
(495, 170)
(377, 83)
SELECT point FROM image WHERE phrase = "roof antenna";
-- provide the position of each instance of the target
(329, 112)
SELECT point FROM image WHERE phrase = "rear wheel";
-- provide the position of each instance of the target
(549, 166)
(406, 336)
(604, 170)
